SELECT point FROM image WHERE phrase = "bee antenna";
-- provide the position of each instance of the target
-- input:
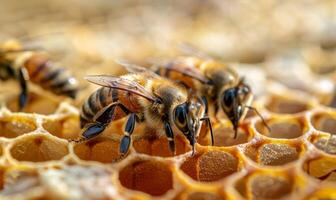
(261, 117)
(193, 150)
(235, 128)
(207, 118)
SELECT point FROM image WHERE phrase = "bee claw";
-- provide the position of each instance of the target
(172, 147)
(193, 150)
(124, 145)
(235, 128)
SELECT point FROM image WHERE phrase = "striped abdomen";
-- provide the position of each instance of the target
(178, 77)
(44, 73)
(103, 97)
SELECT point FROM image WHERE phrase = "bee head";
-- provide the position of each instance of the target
(234, 100)
(187, 117)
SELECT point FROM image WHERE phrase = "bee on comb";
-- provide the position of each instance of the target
(144, 97)
(218, 84)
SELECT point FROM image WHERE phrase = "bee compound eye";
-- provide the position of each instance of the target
(228, 98)
(180, 118)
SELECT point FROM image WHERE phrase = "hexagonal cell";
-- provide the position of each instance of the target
(100, 149)
(38, 148)
(267, 187)
(264, 186)
(273, 154)
(67, 128)
(283, 105)
(283, 127)
(152, 177)
(78, 182)
(12, 127)
(321, 60)
(322, 168)
(211, 165)
(277, 154)
(224, 136)
(36, 104)
(327, 145)
(160, 147)
(324, 122)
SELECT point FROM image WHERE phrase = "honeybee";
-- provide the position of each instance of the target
(218, 84)
(144, 97)
(27, 64)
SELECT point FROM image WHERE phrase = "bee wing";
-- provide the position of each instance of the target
(133, 68)
(180, 67)
(121, 84)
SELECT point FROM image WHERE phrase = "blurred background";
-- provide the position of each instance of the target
(234, 30)
(294, 40)
(286, 50)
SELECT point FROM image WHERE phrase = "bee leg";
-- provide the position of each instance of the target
(205, 101)
(92, 130)
(235, 128)
(23, 78)
(235, 121)
(170, 136)
(106, 115)
(207, 119)
(129, 128)
(101, 121)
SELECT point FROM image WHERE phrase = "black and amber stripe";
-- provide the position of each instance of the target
(176, 76)
(50, 77)
(103, 97)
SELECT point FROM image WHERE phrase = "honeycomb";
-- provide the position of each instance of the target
(291, 71)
